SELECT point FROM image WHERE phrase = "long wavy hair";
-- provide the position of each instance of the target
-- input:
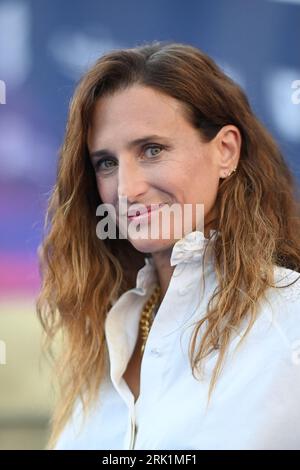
(82, 276)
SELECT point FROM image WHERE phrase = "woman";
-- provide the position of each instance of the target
(190, 341)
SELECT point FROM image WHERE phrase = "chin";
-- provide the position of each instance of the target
(150, 245)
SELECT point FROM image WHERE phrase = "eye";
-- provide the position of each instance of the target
(102, 164)
(106, 165)
(155, 149)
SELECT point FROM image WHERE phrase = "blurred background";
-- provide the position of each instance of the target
(45, 46)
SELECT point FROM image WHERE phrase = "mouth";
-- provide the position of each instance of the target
(144, 213)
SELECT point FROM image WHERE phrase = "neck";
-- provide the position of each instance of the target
(164, 270)
(162, 264)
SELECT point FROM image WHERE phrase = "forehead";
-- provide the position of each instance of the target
(135, 111)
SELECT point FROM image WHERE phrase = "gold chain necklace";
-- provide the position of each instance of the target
(147, 316)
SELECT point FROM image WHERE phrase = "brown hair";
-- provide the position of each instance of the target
(258, 214)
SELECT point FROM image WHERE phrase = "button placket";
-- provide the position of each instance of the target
(132, 433)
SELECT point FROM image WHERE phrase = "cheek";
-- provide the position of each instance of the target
(199, 183)
(106, 190)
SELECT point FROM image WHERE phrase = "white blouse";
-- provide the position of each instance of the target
(256, 402)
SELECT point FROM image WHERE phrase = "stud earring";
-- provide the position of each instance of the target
(230, 173)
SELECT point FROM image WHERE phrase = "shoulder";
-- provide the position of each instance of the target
(272, 343)
(285, 294)
(287, 283)
(281, 307)
(276, 329)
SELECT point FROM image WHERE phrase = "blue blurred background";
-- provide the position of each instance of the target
(45, 46)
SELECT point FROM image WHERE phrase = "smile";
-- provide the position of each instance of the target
(145, 214)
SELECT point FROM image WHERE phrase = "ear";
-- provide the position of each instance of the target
(228, 146)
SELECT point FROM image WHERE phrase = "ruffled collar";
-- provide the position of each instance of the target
(191, 247)
(188, 249)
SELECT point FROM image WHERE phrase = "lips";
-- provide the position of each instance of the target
(139, 211)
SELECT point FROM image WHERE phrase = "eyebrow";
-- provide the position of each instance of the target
(132, 144)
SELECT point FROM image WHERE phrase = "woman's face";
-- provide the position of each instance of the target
(170, 165)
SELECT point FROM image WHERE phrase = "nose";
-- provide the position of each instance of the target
(132, 182)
